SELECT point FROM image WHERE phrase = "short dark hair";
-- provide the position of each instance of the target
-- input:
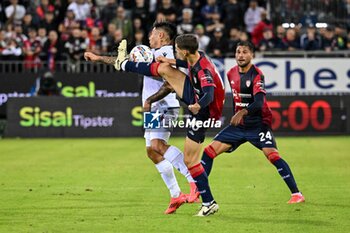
(188, 42)
(169, 28)
(247, 44)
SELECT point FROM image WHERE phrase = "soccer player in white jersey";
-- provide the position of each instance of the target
(164, 156)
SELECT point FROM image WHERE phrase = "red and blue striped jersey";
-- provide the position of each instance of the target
(244, 86)
(203, 74)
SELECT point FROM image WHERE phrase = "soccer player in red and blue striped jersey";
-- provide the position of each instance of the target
(251, 121)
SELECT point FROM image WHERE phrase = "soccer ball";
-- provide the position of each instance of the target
(141, 53)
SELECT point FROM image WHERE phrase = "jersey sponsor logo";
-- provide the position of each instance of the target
(240, 104)
(245, 95)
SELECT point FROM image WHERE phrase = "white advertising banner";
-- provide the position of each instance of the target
(302, 75)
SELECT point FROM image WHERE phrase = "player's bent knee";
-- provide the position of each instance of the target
(273, 156)
(158, 146)
(209, 150)
(152, 155)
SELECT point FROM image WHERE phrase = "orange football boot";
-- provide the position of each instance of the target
(193, 196)
(296, 198)
(175, 203)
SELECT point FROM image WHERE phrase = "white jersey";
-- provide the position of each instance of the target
(152, 85)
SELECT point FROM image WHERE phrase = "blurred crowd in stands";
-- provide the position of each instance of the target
(36, 31)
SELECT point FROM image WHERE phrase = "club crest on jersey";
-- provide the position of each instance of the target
(247, 83)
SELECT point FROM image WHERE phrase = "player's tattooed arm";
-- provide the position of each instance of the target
(89, 56)
(164, 90)
(107, 60)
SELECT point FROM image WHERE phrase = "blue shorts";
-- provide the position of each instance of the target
(188, 93)
(260, 137)
(195, 133)
(188, 97)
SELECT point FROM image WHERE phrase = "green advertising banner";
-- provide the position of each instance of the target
(123, 117)
(73, 117)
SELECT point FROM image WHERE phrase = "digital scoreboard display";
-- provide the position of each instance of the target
(323, 114)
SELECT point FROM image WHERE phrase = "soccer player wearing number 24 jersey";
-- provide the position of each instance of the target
(252, 120)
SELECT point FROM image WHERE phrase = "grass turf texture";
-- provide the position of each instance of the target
(109, 185)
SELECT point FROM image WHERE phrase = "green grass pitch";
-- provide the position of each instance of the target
(109, 185)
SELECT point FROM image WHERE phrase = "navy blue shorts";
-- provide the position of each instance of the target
(188, 93)
(188, 97)
(260, 137)
(195, 133)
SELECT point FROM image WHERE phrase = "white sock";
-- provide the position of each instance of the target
(124, 64)
(167, 173)
(207, 203)
(176, 158)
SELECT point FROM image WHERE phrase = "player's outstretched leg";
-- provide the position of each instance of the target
(286, 174)
(174, 77)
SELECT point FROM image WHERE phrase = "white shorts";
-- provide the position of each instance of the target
(162, 133)
(152, 134)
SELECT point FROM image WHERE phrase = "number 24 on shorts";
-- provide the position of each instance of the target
(264, 136)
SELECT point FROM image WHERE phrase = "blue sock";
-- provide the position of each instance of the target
(201, 178)
(207, 162)
(138, 67)
(286, 174)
